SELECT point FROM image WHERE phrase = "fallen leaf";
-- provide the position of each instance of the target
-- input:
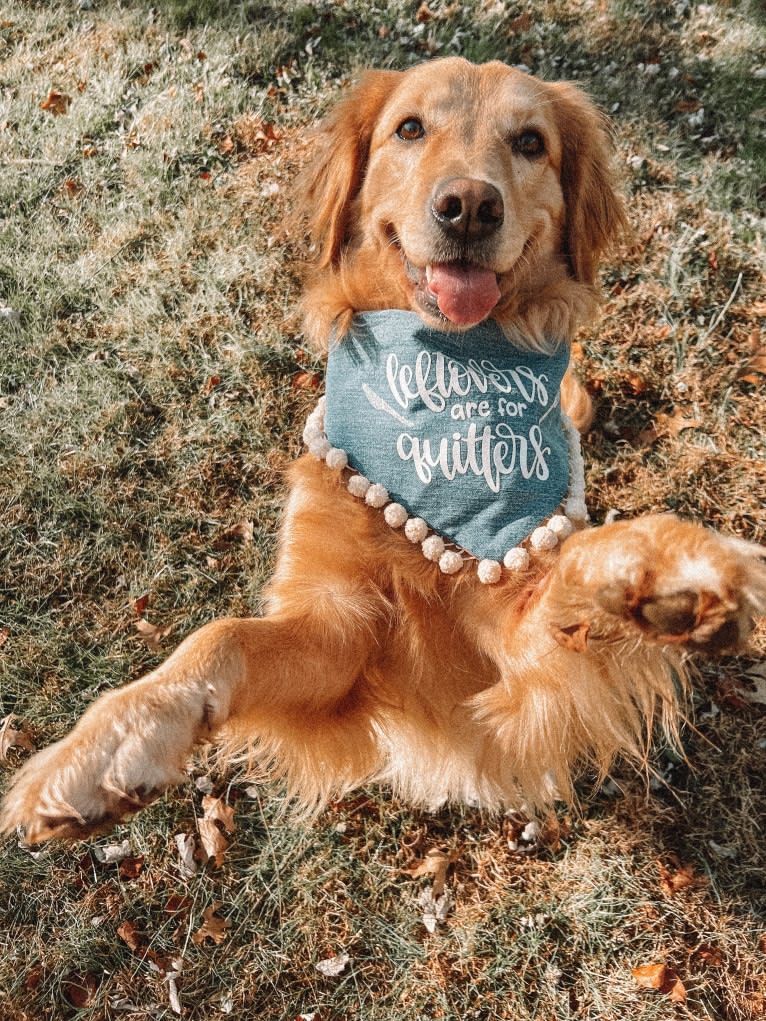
(723, 850)
(649, 976)
(333, 966)
(80, 990)
(674, 423)
(435, 863)
(56, 103)
(521, 24)
(755, 695)
(635, 383)
(671, 882)
(251, 135)
(178, 904)
(711, 956)
(677, 991)
(187, 847)
(152, 634)
(435, 907)
(214, 843)
(423, 14)
(217, 810)
(140, 604)
(662, 979)
(34, 978)
(244, 531)
(755, 367)
(130, 868)
(306, 380)
(212, 926)
(687, 106)
(173, 997)
(210, 385)
(730, 694)
(12, 738)
(5, 634)
(128, 933)
(109, 854)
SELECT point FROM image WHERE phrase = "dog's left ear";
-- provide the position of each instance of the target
(332, 181)
(595, 214)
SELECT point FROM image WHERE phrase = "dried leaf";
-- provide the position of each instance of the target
(677, 991)
(173, 997)
(187, 846)
(130, 868)
(244, 531)
(711, 956)
(333, 966)
(671, 882)
(214, 843)
(522, 24)
(435, 907)
(152, 634)
(177, 904)
(687, 106)
(56, 103)
(128, 933)
(435, 863)
(662, 979)
(80, 990)
(250, 135)
(675, 423)
(212, 926)
(306, 380)
(12, 738)
(210, 385)
(217, 809)
(756, 677)
(650, 976)
(109, 854)
(756, 364)
(730, 694)
(140, 604)
(723, 850)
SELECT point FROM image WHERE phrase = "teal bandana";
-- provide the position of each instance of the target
(463, 429)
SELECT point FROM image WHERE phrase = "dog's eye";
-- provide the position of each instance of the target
(529, 143)
(411, 129)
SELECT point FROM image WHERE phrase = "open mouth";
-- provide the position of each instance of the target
(460, 292)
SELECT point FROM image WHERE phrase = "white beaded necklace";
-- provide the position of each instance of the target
(451, 558)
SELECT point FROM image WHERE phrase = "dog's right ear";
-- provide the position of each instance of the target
(332, 181)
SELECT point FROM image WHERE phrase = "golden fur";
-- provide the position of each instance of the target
(369, 664)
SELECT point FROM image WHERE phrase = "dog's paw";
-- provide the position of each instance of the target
(122, 755)
(675, 582)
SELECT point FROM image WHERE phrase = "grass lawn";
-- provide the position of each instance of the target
(153, 385)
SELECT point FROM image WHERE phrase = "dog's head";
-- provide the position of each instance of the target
(462, 192)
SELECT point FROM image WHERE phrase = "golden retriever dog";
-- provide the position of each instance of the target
(469, 205)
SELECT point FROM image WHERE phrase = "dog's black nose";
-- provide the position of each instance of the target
(467, 208)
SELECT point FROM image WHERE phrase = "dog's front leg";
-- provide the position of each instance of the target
(135, 742)
(595, 654)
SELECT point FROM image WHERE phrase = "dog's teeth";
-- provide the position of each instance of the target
(429, 273)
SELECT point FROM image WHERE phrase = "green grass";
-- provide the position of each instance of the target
(148, 406)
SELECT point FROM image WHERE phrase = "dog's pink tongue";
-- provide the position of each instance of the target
(465, 294)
